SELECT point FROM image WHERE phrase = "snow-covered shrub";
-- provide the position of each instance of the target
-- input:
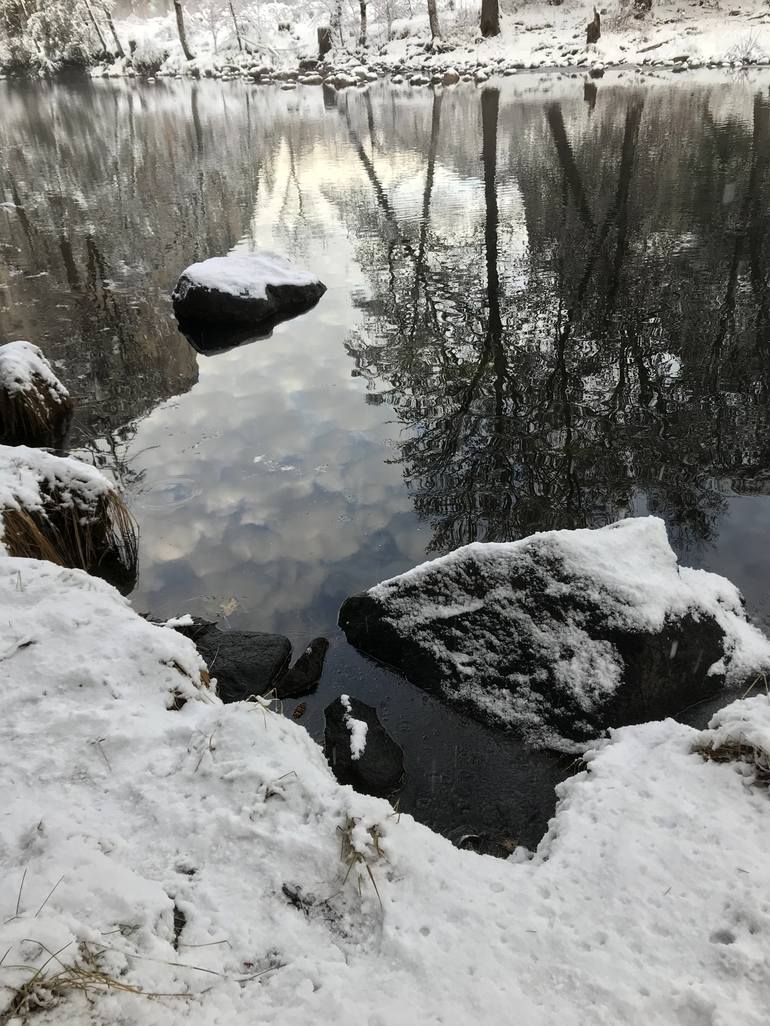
(740, 733)
(62, 510)
(35, 408)
(747, 50)
(148, 60)
(43, 34)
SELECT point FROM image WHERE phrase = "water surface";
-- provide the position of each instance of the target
(548, 307)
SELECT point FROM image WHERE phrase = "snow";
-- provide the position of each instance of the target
(23, 367)
(626, 572)
(28, 476)
(644, 902)
(245, 274)
(357, 728)
(533, 35)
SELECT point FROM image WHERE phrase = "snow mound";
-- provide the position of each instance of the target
(202, 858)
(247, 274)
(35, 408)
(562, 633)
(29, 478)
(23, 367)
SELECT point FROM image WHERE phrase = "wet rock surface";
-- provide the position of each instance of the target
(305, 674)
(378, 767)
(244, 663)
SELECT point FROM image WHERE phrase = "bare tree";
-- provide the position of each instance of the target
(237, 28)
(490, 18)
(111, 24)
(435, 31)
(95, 24)
(362, 33)
(179, 11)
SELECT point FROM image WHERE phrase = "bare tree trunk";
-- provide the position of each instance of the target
(490, 18)
(435, 31)
(95, 24)
(113, 30)
(362, 33)
(235, 23)
(181, 30)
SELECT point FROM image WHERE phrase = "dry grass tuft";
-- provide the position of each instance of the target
(352, 855)
(34, 416)
(102, 540)
(738, 751)
(44, 988)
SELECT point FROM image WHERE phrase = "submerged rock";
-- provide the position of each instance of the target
(244, 290)
(564, 633)
(359, 749)
(306, 672)
(244, 663)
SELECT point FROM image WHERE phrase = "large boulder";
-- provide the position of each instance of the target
(244, 290)
(244, 663)
(564, 633)
(359, 749)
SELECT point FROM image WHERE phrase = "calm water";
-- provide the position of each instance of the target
(546, 308)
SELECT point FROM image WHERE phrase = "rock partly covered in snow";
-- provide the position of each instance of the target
(202, 865)
(35, 407)
(245, 663)
(305, 674)
(244, 289)
(360, 750)
(563, 633)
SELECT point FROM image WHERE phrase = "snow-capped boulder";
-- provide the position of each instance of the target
(244, 289)
(564, 633)
(359, 749)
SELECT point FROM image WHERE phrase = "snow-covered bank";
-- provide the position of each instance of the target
(165, 858)
(532, 36)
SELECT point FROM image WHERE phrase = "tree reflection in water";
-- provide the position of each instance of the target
(618, 363)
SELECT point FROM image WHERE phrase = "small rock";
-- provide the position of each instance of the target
(485, 844)
(377, 768)
(306, 672)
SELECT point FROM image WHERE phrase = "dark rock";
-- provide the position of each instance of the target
(485, 844)
(245, 663)
(379, 770)
(594, 30)
(597, 72)
(552, 635)
(243, 291)
(306, 672)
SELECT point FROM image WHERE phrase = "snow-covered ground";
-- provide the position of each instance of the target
(167, 859)
(532, 35)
